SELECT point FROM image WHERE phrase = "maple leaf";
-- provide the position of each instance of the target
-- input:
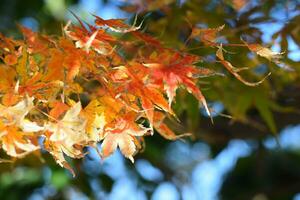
(35, 86)
(207, 35)
(7, 85)
(70, 129)
(15, 115)
(16, 143)
(57, 109)
(72, 63)
(58, 149)
(8, 81)
(175, 71)
(65, 134)
(35, 42)
(86, 39)
(16, 131)
(122, 134)
(54, 69)
(149, 95)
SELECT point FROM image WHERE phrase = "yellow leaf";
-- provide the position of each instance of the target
(16, 143)
(15, 115)
(71, 129)
(94, 113)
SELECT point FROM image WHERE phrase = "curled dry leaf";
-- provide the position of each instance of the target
(269, 54)
(265, 52)
(234, 71)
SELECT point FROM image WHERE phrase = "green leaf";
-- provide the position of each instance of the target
(263, 106)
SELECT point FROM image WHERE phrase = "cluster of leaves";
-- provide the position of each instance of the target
(65, 93)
